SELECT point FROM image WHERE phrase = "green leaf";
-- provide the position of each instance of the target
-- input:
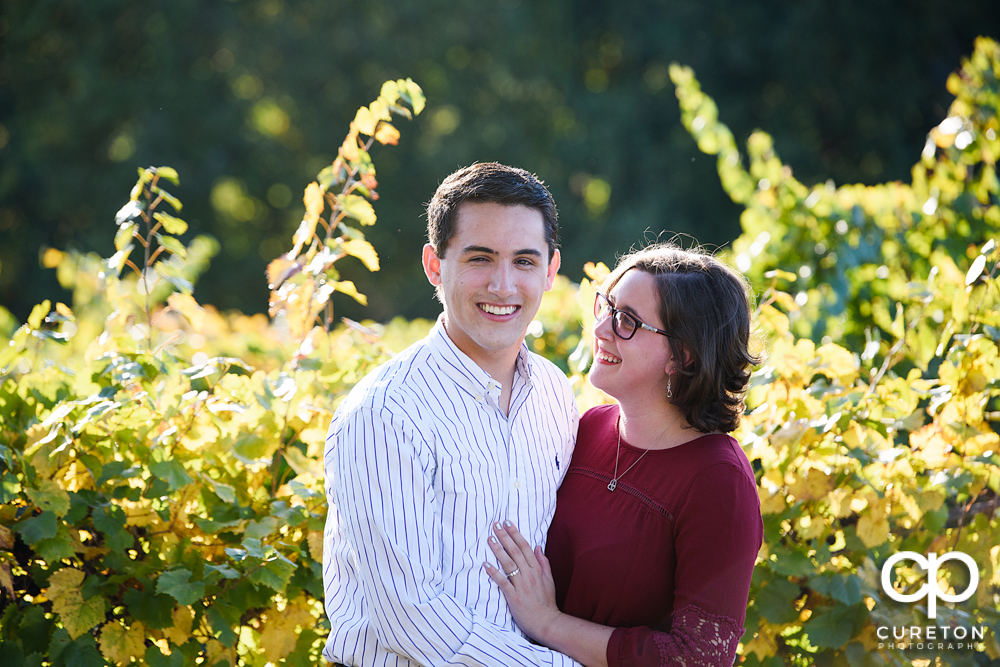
(152, 609)
(172, 472)
(358, 208)
(50, 497)
(171, 224)
(110, 521)
(224, 571)
(172, 245)
(261, 529)
(222, 628)
(275, 574)
(177, 584)
(249, 447)
(54, 549)
(833, 627)
(155, 658)
(775, 598)
(792, 563)
(83, 653)
(37, 528)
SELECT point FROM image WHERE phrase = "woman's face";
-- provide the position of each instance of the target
(638, 366)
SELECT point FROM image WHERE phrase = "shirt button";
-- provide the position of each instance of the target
(517, 484)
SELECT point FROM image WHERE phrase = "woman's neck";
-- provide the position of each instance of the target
(653, 426)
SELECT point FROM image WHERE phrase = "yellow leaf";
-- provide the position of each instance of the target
(364, 251)
(873, 527)
(315, 540)
(814, 486)
(76, 614)
(389, 93)
(279, 270)
(357, 207)
(278, 637)
(180, 631)
(596, 272)
(869, 637)
(366, 121)
(120, 645)
(931, 446)
(387, 134)
(215, 652)
(6, 538)
(186, 305)
(313, 199)
(7, 580)
(837, 363)
(763, 645)
(347, 287)
(349, 149)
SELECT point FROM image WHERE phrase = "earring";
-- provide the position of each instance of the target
(670, 393)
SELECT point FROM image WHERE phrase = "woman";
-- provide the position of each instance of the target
(657, 524)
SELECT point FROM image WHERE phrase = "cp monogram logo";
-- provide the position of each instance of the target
(930, 590)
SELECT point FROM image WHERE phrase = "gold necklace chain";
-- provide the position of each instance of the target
(613, 484)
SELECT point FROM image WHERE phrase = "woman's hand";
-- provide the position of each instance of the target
(525, 580)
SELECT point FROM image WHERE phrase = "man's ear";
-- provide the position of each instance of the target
(432, 265)
(550, 274)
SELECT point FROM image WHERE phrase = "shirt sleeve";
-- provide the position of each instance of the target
(718, 534)
(389, 513)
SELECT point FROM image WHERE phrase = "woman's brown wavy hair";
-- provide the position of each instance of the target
(705, 306)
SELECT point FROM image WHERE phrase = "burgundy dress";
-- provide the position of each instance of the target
(666, 558)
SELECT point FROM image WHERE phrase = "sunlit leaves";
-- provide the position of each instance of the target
(77, 615)
(120, 644)
(358, 208)
(178, 585)
(364, 251)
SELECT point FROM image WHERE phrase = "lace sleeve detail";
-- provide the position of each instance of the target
(698, 638)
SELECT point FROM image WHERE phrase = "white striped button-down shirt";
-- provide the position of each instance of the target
(420, 462)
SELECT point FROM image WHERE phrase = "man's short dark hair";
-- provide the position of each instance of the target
(488, 183)
(705, 306)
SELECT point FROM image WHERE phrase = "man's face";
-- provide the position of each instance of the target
(492, 278)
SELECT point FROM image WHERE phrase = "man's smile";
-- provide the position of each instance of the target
(498, 310)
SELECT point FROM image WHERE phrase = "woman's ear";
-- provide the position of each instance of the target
(671, 366)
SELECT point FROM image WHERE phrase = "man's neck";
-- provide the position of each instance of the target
(499, 365)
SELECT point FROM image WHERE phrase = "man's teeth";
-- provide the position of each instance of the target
(498, 310)
(604, 356)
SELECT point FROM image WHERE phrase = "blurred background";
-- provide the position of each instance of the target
(248, 100)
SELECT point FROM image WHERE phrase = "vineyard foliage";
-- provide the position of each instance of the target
(162, 497)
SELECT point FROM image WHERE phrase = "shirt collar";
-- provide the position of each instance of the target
(466, 373)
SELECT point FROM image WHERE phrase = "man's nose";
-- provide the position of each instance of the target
(502, 281)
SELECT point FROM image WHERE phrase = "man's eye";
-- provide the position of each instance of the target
(526, 262)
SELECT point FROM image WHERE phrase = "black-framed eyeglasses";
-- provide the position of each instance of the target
(623, 324)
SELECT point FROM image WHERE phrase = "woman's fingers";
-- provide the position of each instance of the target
(497, 576)
(543, 562)
(503, 557)
(518, 538)
(516, 547)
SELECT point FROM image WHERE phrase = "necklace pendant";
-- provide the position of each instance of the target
(612, 484)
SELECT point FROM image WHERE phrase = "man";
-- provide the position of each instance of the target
(463, 429)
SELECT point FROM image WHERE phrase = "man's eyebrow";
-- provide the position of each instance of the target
(478, 248)
(490, 251)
